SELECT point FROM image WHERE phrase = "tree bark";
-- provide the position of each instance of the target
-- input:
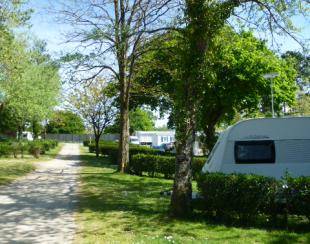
(182, 189)
(204, 21)
(97, 139)
(124, 121)
(210, 139)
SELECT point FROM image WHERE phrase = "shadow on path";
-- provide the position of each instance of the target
(39, 208)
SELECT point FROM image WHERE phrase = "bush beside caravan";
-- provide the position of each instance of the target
(270, 147)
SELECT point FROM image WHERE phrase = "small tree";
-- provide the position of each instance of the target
(65, 122)
(110, 34)
(95, 104)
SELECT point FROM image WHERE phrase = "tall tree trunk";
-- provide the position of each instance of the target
(210, 138)
(97, 139)
(182, 189)
(124, 136)
(205, 18)
(121, 39)
(19, 132)
(34, 130)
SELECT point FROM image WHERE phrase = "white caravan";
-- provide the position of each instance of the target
(267, 147)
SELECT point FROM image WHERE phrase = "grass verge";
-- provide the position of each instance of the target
(11, 171)
(12, 168)
(119, 208)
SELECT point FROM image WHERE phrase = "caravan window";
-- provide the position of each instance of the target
(255, 151)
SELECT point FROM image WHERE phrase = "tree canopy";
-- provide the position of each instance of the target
(29, 77)
(140, 119)
(65, 122)
(234, 68)
(96, 106)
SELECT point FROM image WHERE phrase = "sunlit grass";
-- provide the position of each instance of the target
(12, 168)
(119, 208)
(11, 171)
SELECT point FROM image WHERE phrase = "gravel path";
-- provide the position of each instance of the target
(39, 208)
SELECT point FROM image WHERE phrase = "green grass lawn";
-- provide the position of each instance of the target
(12, 168)
(119, 208)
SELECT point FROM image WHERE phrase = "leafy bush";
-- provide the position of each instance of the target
(15, 148)
(23, 147)
(34, 148)
(152, 164)
(242, 194)
(197, 166)
(150, 160)
(247, 196)
(5, 149)
(298, 190)
(86, 143)
(111, 149)
(47, 145)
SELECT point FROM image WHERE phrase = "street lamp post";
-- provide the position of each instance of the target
(271, 76)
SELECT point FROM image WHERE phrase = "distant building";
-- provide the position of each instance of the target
(27, 135)
(155, 138)
(161, 138)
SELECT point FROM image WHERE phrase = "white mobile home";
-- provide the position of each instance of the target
(267, 147)
(155, 138)
(160, 138)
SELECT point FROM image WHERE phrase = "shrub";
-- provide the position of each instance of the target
(47, 145)
(35, 148)
(241, 194)
(15, 148)
(86, 143)
(150, 160)
(109, 149)
(151, 164)
(250, 195)
(165, 165)
(24, 147)
(197, 165)
(298, 195)
(5, 149)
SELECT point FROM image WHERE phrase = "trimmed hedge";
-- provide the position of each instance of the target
(143, 159)
(157, 164)
(111, 149)
(247, 196)
(298, 195)
(35, 148)
(86, 143)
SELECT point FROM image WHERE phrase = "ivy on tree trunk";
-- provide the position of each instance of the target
(204, 20)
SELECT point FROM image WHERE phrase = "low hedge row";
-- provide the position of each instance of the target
(157, 164)
(147, 160)
(111, 149)
(248, 196)
(86, 143)
(35, 148)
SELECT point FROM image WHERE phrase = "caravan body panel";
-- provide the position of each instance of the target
(267, 147)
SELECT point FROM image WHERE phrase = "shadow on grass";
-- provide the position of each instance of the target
(138, 207)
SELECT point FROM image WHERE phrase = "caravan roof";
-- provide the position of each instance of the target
(271, 128)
